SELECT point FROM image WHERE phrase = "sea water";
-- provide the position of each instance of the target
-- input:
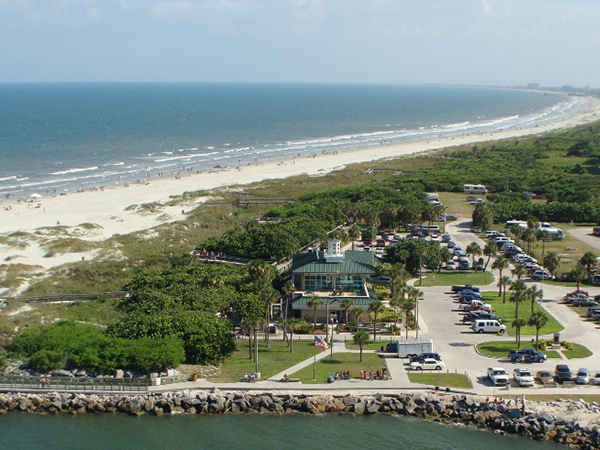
(85, 135)
(247, 432)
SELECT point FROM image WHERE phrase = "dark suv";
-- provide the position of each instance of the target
(562, 373)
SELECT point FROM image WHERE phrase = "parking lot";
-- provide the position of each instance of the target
(455, 341)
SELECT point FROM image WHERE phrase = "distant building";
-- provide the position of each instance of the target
(533, 85)
(331, 275)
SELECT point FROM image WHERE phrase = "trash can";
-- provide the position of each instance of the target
(194, 377)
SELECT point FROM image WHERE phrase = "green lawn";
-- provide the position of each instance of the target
(578, 352)
(455, 380)
(271, 360)
(452, 277)
(506, 311)
(500, 349)
(341, 362)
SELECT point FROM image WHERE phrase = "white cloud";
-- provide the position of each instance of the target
(486, 7)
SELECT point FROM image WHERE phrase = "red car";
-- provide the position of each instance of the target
(538, 197)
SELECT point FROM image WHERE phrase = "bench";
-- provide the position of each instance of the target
(291, 380)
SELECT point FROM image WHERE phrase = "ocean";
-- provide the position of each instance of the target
(248, 432)
(84, 135)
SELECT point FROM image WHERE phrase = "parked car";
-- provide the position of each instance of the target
(596, 379)
(459, 288)
(544, 377)
(450, 265)
(424, 356)
(471, 198)
(497, 376)
(538, 275)
(481, 315)
(451, 244)
(523, 377)
(593, 311)
(451, 217)
(427, 364)
(562, 373)
(584, 302)
(583, 376)
(446, 238)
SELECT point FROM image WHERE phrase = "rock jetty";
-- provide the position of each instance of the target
(500, 417)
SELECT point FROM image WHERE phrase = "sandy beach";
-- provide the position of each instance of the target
(112, 208)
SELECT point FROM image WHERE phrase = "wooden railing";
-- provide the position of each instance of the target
(66, 384)
(72, 297)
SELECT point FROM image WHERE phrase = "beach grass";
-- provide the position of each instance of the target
(452, 380)
(449, 278)
(506, 311)
(341, 362)
(272, 360)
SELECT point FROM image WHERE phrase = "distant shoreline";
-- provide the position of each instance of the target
(109, 208)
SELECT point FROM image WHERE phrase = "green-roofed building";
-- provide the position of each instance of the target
(332, 275)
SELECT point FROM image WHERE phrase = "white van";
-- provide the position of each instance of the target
(488, 326)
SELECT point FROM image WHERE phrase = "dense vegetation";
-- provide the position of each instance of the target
(82, 346)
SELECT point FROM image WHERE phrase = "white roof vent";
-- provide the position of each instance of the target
(334, 254)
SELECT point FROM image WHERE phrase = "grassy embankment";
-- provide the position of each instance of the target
(452, 380)
(449, 278)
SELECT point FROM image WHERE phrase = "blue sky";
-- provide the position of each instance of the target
(498, 42)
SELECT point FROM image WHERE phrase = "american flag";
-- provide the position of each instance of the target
(321, 343)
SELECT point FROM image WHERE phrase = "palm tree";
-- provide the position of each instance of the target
(503, 283)
(259, 269)
(539, 320)
(579, 274)
(551, 262)
(533, 293)
(292, 325)
(356, 312)
(346, 304)
(519, 295)
(475, 250)
(518, 323)
(544, 236)
(517, 231)
(314, 303)
(529, 237)
(519, 271)
(396, 304)
(532, 224)
(361, 338)
(489, 250)
(500, 264)
(588, 260)
(414, 294)
(408, 305)
(445, 255)
(375, 307)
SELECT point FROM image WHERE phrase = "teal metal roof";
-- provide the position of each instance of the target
(354, 262)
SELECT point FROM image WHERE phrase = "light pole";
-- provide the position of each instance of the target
(327, 302)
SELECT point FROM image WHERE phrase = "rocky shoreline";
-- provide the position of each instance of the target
(500, 417)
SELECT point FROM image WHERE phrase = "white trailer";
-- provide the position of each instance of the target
(410, 347)
(474, 189)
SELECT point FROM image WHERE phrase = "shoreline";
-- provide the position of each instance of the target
(109, 208)
(572, 423)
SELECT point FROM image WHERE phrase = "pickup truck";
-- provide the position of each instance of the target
(497, 376)
(475, 305)
(469, 295)
(527, 355)
(457, 289)
(523, 377)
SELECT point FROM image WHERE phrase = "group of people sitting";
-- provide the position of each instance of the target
(374, 374)
(249, 378)
(339, 376)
